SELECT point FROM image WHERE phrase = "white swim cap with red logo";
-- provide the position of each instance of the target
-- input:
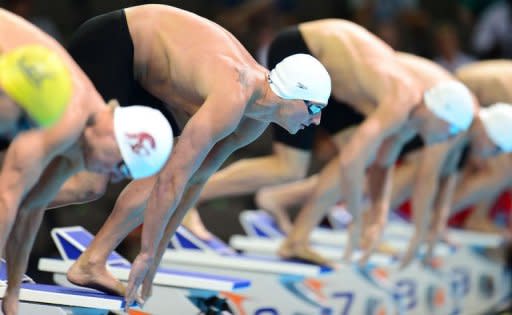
(144, 137)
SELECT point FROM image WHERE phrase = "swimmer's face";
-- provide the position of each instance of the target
(482, 146)
(10, 113)
(101, 153)
(436, 130)
(295, 115)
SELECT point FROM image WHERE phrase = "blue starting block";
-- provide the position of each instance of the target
(53, 299)
(470, 277)
(278, 286)
(175, 288)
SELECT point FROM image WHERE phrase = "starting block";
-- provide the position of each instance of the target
(414, 290)
(477, 268)
(280, 286)
(57, 300)
(462, 279)
(175, 289)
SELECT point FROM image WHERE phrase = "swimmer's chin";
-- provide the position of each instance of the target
(115, 178)
(302, 127)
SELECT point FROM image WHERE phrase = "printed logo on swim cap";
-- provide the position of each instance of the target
(301, 86)
(144, 137)
(144, 143)
(35, 72)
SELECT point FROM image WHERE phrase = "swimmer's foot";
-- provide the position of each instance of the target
(485, 225)
(96, 276)
(303, 253)
(268, 204)
(194, 224)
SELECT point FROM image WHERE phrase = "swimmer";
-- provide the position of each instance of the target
(205, 81)
(70, 128)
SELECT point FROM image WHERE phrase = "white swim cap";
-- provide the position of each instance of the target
(497, 120)
(452, 102)
(145, 139)
(301, 77)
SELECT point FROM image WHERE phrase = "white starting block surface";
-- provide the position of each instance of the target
(280, 286)
(173, 288)
(259, 223)
(465, 279)
(57, 295)
(189, 249)
(266, 246)
(53, 299)
(460, 237)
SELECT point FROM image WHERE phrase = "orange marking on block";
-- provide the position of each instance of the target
(237, 301)
(316, 286)
(132, 311)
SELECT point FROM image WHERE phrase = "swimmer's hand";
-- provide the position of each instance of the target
(138, 273)
(373, 227)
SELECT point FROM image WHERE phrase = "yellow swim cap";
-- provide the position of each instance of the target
(35, 78)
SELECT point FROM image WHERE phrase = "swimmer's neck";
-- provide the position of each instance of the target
(76, 155)
(264, 103)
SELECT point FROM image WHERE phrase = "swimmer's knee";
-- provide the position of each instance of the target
(261, 196)
(289, 172)
(293, 176)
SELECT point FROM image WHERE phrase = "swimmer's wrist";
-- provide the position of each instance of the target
(147, 256)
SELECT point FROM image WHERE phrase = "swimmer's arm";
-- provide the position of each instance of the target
(248, 131)
(477, 186)
(81, 188)
(359, 150)
(394, 91)
(446, 193)
(441, 213)
(426, 184)
(444, 203)
(437, 162)
(17, 248)
(29, 155)
(447, 185)
(379, 187)
(215, 120)
(380, 174)
(45, 190)
(29, 218)
(425, 189)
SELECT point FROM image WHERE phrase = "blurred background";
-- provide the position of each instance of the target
(451, 32)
